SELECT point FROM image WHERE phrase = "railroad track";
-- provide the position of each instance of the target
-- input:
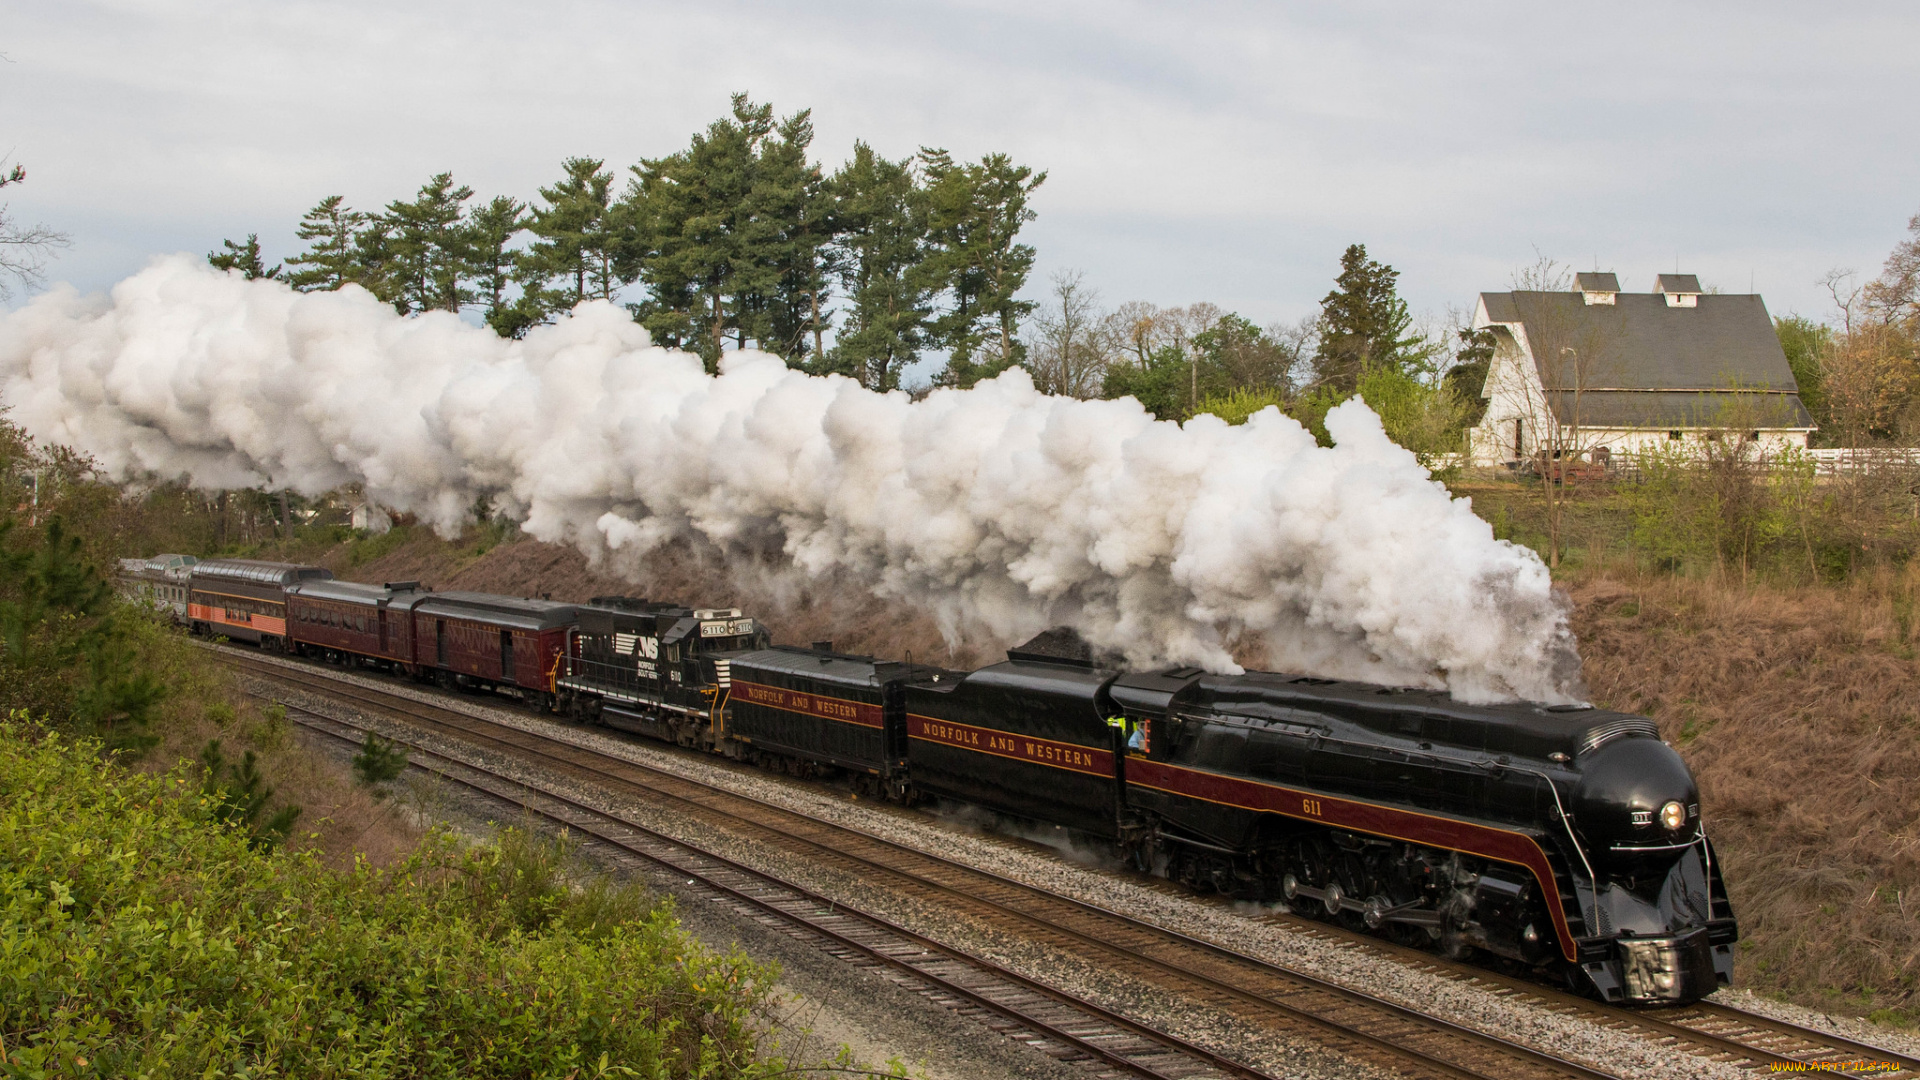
(1713, 1030)
(1064, 1026)
(1247, 988)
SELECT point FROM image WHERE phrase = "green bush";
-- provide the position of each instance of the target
(139, 937)
(69, 647)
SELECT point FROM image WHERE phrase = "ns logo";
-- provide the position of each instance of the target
(648, 648)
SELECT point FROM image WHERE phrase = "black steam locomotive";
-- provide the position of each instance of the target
(1552, 836)
(1557, 837)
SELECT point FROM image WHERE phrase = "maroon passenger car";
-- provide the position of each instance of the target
(343, 621)
(477, 639)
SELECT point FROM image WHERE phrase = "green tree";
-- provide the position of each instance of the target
(791, 218)
(65, 652)
(242, 257)
(1807, 344)
(583, 245)
(240, 795)
(1230, 357)
(1467, 377)
(974, 215)
(378, 762)
(1234, 354)
(687, 208)
(427, 249)
(495, 264)
(880, 256)
(1364, 323)
(1163, 382)
(332, 256)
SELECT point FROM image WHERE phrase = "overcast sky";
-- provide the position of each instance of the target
(1221, 152)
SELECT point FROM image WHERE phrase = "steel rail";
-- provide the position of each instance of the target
(1821, 1046)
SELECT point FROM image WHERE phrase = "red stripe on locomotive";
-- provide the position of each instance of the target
(1499, 844)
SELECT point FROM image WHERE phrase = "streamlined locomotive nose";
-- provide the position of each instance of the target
(1635, 798)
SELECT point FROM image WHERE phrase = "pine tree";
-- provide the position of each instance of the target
(1363, 324)
(378, 762)
(582, 247)
(880, 256)
(974, 215)
(331, 259)
(690, 207)
(240, 793)
(790, 218)
(729, 236)
(495, 264)
(242, 257)
(428, 250)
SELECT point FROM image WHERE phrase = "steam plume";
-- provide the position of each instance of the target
(998, 509)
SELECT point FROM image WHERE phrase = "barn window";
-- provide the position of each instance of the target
(1673, 434)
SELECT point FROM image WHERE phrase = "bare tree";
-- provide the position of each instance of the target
(1072, 342)
(1869, 374)
(23, 249)
(1895, 295)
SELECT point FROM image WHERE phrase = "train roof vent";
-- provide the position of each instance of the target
(1596, 737)
(625, 603)
(1180, 673)
(1308, 680)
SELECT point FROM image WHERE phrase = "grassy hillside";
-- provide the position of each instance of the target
(144, 937)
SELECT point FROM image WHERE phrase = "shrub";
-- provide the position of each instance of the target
(378, 762)
(144, 939)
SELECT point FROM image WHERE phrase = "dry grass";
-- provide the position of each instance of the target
(339, 820)
(1799, 711)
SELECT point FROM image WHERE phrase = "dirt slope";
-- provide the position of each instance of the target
(1799, 711)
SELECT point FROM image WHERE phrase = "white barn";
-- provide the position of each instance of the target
(1598, 373)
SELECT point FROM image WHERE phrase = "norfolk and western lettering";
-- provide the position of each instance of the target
(1060, 755)
(800, 701)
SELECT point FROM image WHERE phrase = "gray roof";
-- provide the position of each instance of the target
(1677, 283)
(1656, 365)
(1597, 281)
(1679, 409)
(254, 570)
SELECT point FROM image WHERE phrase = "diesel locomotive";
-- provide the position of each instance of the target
(1555, 837)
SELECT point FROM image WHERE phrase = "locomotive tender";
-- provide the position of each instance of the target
(1557, 837)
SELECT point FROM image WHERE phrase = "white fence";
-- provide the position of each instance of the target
(1841, 461)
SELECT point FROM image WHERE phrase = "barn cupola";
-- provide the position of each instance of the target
(1597, 288)
(1681, 290)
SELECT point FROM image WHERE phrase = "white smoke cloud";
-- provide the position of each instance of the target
(998, 509)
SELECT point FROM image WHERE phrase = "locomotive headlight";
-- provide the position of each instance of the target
(1673, 816)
